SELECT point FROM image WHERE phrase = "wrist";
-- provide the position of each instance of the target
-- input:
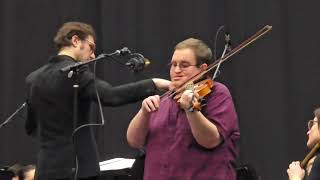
(161, 84)
(295, 177)
(144, 112)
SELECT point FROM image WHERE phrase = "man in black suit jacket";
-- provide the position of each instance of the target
(50, 106)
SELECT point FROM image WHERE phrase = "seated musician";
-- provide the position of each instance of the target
(182, 142)
(296, 170)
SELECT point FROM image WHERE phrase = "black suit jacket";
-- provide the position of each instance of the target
(50, 115)
(315, 170)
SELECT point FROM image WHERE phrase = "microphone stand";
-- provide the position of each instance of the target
(13, 115)
(74, 72)
(76, 66)
(226, 48)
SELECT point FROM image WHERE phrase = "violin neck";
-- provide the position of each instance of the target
(315, 148)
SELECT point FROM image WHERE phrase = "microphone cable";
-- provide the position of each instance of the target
(100, 110)
(89, 124)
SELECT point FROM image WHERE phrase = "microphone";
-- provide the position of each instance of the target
(227, 39)
(137, 62)
(123, 51)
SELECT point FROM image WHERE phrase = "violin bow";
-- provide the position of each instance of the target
(241, 46)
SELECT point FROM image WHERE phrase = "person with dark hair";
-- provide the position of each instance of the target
(15, 169)
(181, 141)
(50, 106)
(312, 169)
(21, 172)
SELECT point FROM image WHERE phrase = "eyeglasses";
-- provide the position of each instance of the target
(311, 123)
(91, 44)
(182, 66)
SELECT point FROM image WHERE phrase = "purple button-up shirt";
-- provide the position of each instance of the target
(173, 153)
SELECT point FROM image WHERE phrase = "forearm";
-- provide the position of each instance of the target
(118, 95)
(138, 130)
(204, 131)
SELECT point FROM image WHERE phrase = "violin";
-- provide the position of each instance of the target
(204, 87)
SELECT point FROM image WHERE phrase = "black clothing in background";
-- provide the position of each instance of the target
(315, 170)
(50, 113)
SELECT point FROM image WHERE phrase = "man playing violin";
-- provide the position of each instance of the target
(295, 172)
(181, 142)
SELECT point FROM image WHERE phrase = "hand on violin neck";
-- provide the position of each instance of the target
(188, 99)
(295, 172)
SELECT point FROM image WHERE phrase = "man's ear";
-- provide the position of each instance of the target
(204, 67)
(75, 41)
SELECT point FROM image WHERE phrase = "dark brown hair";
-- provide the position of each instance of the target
(69, 29)
(15, 169)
